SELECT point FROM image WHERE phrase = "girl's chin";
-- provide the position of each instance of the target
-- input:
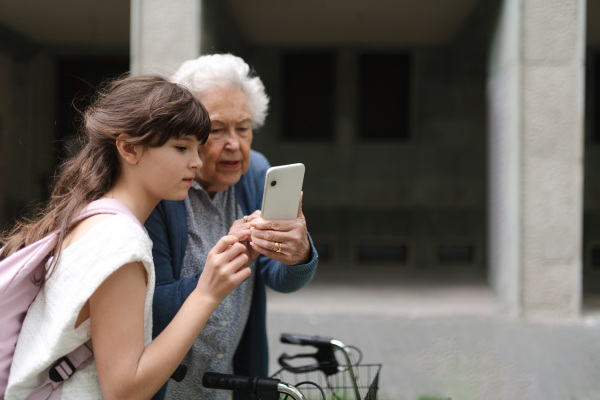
(178, 196)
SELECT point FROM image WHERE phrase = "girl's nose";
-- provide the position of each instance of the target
(196, 161)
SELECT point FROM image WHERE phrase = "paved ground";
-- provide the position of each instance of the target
(439, 336)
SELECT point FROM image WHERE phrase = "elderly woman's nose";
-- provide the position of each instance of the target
(233, 139)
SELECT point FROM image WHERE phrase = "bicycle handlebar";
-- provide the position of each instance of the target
(324, 356)
(304, 340)
(265, 388)
(214, 380)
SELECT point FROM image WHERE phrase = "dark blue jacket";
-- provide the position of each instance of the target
(168, 229)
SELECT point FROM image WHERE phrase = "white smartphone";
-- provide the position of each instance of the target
(283, 187)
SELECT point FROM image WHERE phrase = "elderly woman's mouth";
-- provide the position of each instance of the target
(230, 164)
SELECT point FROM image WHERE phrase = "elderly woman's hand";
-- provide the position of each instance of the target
(285, 241)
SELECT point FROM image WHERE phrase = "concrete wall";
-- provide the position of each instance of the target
(504, 159)
(536, 147)
(553, 48)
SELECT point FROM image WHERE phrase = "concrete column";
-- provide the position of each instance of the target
(164, 34)
(536, 105)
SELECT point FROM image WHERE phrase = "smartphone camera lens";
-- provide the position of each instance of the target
(273, 183)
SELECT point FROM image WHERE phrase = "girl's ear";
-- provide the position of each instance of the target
(131, 153)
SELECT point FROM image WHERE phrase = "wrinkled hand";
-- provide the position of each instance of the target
(285, 241)
(225, 268)
(241, 229)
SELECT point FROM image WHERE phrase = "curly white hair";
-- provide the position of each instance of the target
(229, 71)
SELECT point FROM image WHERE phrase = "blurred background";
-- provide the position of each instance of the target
(447, 143)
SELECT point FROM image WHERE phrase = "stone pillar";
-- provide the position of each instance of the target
(536, 106)
(164, 34)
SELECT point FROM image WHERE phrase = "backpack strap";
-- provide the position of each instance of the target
(62, 370)
(105, 206)
(82, 356)
(66, 366)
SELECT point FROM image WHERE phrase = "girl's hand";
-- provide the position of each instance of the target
(241, 229)
(225, 268)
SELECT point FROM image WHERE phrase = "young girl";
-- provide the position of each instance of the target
(143, 135)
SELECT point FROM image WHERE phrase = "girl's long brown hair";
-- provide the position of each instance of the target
(150, 109)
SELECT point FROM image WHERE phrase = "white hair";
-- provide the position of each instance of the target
(225, 70)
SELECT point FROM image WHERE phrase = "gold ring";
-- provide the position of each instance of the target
(276, 247)
(245, 218)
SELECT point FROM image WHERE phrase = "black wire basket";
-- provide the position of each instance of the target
(337, 386)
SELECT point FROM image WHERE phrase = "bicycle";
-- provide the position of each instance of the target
(328, 377)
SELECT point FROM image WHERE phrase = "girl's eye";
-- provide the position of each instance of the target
(181, 148)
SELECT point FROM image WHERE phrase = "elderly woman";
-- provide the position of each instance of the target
(224, 198)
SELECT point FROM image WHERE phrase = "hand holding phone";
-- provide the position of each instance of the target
(283, 187)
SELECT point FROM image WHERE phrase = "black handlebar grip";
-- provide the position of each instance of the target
(179, 373)
(304, 340)
(214, 380)
(266, 388)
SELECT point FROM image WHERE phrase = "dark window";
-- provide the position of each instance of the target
(396, 253)
(308, 96)
(456, 254)
(384, 96)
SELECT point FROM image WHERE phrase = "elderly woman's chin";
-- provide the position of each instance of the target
(218, 181)
(230, 177)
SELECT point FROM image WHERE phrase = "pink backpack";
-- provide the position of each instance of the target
(17, 291)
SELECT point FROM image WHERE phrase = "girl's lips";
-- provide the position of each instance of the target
(230, 164)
